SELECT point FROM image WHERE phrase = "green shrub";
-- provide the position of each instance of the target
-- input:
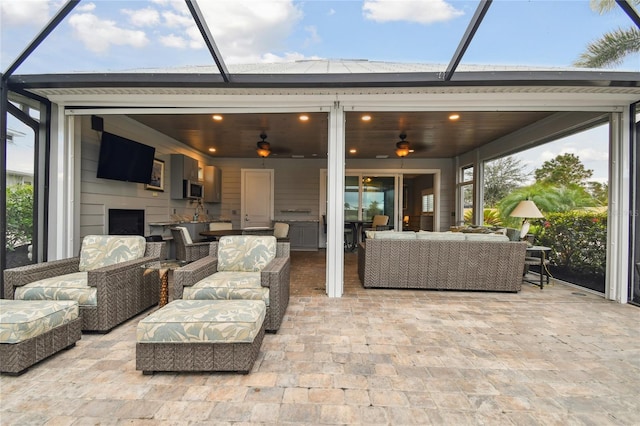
(19, 215)
(578, 240)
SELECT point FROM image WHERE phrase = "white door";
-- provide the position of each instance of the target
(257, 198)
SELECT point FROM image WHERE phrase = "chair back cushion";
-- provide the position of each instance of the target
(245, 253)
(379, 220)
(103, 250)
(280, 230)
(186, 237)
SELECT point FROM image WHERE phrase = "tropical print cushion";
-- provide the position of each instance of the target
(183, 321)
(63, 287)
(245, 253)
(228, 285)
(24, 319)
(104, 250)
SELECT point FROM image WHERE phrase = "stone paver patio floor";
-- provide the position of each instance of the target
(558, 356)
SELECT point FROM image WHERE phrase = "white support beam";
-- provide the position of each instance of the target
(618, 231)
(335, 202)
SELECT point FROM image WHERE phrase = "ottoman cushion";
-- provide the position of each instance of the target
(200, 321)
(21, 320)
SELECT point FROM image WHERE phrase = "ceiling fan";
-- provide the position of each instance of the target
(264, 148)
(404, 148)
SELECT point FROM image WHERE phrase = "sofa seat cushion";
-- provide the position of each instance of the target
(21, 320)
(394, 235)
(98, 251)
(245, 253)
(198, 321)
(227, 285)
(64, 287)
(486, 237)
(440, 236)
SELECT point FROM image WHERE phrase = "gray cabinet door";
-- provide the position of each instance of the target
(303, 236)
(212, 184)
(182, 168)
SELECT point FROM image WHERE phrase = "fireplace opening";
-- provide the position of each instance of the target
(126, 222)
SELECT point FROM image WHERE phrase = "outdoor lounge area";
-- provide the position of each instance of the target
(374, 356)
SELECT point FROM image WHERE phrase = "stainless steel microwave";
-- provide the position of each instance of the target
(192, 189)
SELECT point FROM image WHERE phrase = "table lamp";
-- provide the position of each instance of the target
(526, 209)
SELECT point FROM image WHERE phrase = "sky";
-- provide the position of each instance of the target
(111, 35)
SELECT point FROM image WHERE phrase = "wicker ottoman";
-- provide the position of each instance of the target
(201, 335)
(32, 330)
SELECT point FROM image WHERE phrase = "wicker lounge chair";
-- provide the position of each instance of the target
(272, 286)
(186, 249)
(110, 289)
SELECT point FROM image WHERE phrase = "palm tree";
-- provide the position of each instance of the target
(548, 198)
(612, 47)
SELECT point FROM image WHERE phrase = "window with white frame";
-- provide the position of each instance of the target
(466, 194)
(427, 203)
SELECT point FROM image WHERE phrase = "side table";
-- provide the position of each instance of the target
(163, 267)
(541, 261)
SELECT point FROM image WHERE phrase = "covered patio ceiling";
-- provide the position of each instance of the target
(430, 134)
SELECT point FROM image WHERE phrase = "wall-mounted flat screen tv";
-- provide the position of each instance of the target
(124, 159)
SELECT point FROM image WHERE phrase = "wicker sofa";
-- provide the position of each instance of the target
(441, 261)
(107, 280)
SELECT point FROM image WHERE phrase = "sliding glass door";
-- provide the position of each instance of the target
(366, 196)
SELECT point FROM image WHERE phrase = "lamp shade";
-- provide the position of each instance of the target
(526, 209)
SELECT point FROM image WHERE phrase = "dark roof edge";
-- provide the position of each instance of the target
(469, 78)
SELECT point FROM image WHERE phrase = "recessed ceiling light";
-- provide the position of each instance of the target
(212, 150)
(352, 151)
(454, 116)
(304, 117)
(366, 118)
(217, 117)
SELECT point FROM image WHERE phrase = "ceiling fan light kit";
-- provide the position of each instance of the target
(402, 147)
(264, 147)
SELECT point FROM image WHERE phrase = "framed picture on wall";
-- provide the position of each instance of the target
(157, 176)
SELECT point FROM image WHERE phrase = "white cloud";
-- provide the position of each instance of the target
(423, 12)
(247, 31)
(313, 37)
(177, 20)
(586, 154)
(331, 12)
(173, 40)
(15, 13)
(98, 35)
(85, 7)
(143, 17)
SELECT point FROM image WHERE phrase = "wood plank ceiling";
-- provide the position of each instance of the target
(430, 134)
